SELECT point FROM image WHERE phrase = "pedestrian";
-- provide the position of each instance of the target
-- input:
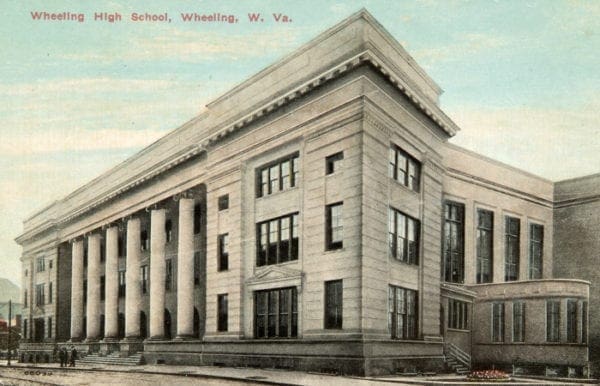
(73, 356)
(63, 357)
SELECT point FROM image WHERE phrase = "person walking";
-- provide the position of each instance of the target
(73, 356)
(63, 357)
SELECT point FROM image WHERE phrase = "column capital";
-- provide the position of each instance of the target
(188, 193)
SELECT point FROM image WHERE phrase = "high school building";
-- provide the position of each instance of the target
(315, 217)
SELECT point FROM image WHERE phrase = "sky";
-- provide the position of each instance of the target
(520, 78)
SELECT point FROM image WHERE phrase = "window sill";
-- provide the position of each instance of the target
(458, 330)
(392, 258)
(398, 183)
(277, 193)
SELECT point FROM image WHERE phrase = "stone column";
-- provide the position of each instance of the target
(111, 300)
(133, 291)
(158, 238)
(93, 288)
(76, 291)
(185, 269)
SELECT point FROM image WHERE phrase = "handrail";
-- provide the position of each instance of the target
(458, 354)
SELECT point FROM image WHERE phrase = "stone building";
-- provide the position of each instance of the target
(314, 217)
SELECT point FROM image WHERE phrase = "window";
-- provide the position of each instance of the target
(144, 276)
(197, 218)
(403, 235)
(169, 230)
(334, 163)
(196, 268)
(85, 290)
(223, 252)
(536, 250)
(276, 313)
(454, 231)
(553, 321)
(402, 313)
(485, 245)
(458, 314)
(334, 232)
(224, 202)
(39, 295)
(222, 312)
(584, 322)
(333, 304)
(144, 240)
(404, 168)
(25, 328)
(169, 274)
(121, 247)
(121, 284)
(498, 322)
(85, 255)
(102, 250)
(277, 240)
(49, 292)
(512, 248)
(50, 327)
(572, 321)
(278, 176)
(41, 264)
(518, 322)
(25, 298)
(102, 287)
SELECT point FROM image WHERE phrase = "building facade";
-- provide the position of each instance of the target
(314, 217)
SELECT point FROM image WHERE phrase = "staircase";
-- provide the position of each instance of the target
(456, 359)
(112, 359)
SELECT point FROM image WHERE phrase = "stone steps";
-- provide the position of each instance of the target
(112, 359)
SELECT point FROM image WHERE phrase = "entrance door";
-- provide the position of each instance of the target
(39, 330)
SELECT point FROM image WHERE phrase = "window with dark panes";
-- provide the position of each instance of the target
(144, 278)
(50, 327)
(102, 249)
(485, 244)
(121, 248)
(519, 321)
(276, 313)
(277, 240)
(553, 321)
(49, 292)
(334, 163)
(498, 322)
(222, 312)
(512, 248)
(334, 232)
(102, 287)
(536, 250)
(453, 243)
(144, 240)
(169, 274)
(85, 290)
(402, 313)
(404, 168)
(223, 252)
(333, 304)
(121, 284)
(168, 231)
(403, 237)
(85, 254)
(196, 268)
(458, 314)
(224, 202)
(277, 176)
(572, 321)
(197, 218)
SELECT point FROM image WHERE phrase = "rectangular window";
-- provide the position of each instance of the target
(403, 237)
(277, 176)
(144, 278)
(458, 314)
(334, 232)
(277, 240)
(50, 327)
(334, 163)
(196, 268)
(222, 312)
(404, 168)
(518, 321)
(168, 231)
(41, 264)
(584, 322)
(85, 255)
(197, 218)
(50, 292)
(121, 247)
(572, 321)
(485, 245)
(25, 298)
(224, 202)
(25, 328)
(169, 274)
(144, 240)
(498, 322)
(454, 231)
(333, 304)
(512, 248)
(536, 250)
(276, 313)
(553, 321)
(402, 313)
(39, 295)
(121, 284)
(102, 250)
(102, 287)
(85, 292)
(223, 252)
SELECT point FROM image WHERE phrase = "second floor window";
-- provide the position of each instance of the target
(41, 264)
(25, 298)
(403, 237)
(169, 274)
(197, 218)
(39, 295)
(144, 278)
(536, 250)
(334, 163)
(485, 245)
(144, 240)
(453, 242)
(277, 240)
(334, 232)
(102, 287)
(168, 231)
(121, 284)
(223, 252)
(278, 176)
(197, 268)
(512, 248)
(404, 168)
(50, 292)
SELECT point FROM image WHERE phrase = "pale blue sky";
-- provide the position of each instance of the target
(520, 77)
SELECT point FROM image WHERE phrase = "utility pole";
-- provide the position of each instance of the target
(9, 326)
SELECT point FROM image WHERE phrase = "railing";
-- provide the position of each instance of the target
(451, 350)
